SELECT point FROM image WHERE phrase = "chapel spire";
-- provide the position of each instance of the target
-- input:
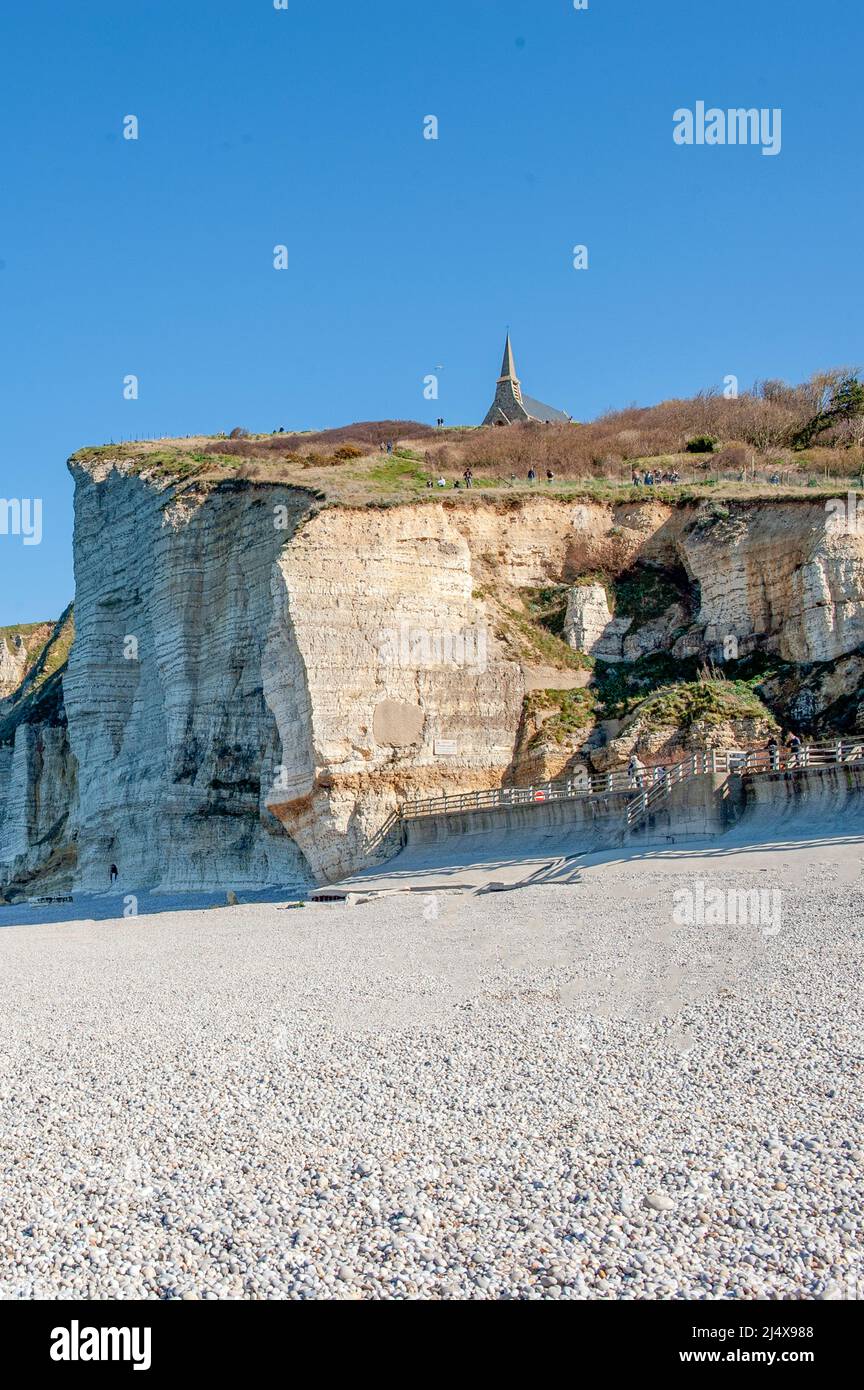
(508, 366)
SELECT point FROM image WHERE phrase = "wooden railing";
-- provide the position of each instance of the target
(562, 789)
(742, 764)
(646, 785)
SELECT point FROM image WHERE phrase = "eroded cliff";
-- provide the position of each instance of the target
(258, 680)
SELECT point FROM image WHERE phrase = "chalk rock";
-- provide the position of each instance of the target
(589, 625)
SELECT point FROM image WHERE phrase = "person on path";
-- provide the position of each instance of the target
(112, 873)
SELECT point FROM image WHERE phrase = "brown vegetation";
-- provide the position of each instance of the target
(755, 434)
(795, 436)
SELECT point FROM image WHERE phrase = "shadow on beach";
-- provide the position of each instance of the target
(107, 907)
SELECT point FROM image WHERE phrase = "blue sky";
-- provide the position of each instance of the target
(305, 127)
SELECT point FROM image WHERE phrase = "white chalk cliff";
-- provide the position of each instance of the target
(258, 680)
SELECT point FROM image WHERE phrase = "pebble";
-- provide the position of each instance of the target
(658, 1201)
(217, 1105)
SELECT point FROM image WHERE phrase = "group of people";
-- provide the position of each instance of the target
(794, 750)
(639, 774)
(467, 480)
(654, 476)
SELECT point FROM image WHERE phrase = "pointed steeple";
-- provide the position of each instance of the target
(508, 366)
(509, 407)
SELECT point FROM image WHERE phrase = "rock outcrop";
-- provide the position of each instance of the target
(656, 635)
(13, 663)
(20, 649)
(589, 625)
(37, 771)
(781, 576)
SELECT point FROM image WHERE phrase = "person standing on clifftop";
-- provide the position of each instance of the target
(112, 873)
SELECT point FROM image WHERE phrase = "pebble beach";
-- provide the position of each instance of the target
(555, 1093)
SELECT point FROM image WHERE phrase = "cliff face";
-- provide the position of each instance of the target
(37, 771)
(257, 682)
(383, 674)
(174, 741)
(780, 575)
(37, 796)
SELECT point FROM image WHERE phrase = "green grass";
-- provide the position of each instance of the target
(546, 645)
(756, 670)
(402, 469)
(547, 606)
(574, 711)
(23, 629)
(709, 702)
(55, 653)
(622, 686)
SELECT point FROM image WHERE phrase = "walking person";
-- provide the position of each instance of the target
(469, 477)
(112, 874)
(774, 754)
(793, 743)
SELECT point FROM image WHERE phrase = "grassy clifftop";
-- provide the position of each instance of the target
(773, 441)
(376, 478)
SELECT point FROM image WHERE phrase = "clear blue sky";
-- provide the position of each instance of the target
(304, 127)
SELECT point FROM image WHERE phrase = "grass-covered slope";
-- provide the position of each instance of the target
(40, 695)
(774, 440)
